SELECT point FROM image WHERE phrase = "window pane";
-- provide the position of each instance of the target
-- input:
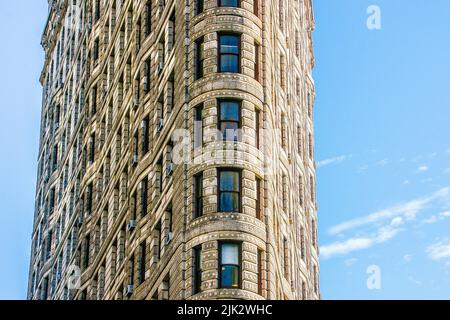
(229, 202)
(229, 3)
(229, 181)
(229, 111)
(230, 277)
(229, 63)
(230, 254)
(230, 131)
(229, 44)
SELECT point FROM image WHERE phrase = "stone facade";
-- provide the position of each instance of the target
(117, 217)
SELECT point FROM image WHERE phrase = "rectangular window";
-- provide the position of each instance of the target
(96, 49)
(199, 7)
(92, 149)
(286, 258)
(97, 10)
(229, 119)
(229, 190)
(142, 262)
(229, 53)
(94, 101)
(260, 272)
(257, 62)
(144, 192)
(258, 126)
(86, 251)
(256, 7)
(89, 199)
(197, 269)
(148, 18)
(199, 58)
(259, 198)
(230, 265)
(134, 206)
(145, 135)
(230, 3)
(147, 76)
(198, 195)
(198, 127)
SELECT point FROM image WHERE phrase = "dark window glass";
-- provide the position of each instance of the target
(229, 119)
(229, 191)
(198, 127)
(199, 6)
(199, 58)
(229, 53)
(259, 198)
(145, 135)
(230, 265)
(142, 260)
(144, 192)
(148, 17)
(197, 269)
(198, 196)
(229, 3)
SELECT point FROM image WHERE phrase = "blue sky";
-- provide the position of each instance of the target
(382, 133)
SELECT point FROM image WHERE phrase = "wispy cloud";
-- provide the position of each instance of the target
(439, 250)
(423, 168)
(382, 163)
(436, 218)
(358, 243)
(350, 262)
(407, 211)
(408, 258)
(331, 161)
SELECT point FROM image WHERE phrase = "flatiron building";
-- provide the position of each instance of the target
(176, 155)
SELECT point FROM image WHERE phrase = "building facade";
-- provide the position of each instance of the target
(176, 156)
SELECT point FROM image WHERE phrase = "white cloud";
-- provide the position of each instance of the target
(447, 171)
(331, 161)
(423, 169)
(439, 250)
(397, 221)
(382, 163)
(358, 243)
(437, 218)
(407, 257)
(350, 262)
(408, 211)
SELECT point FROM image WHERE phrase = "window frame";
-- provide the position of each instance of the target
(198, 195)
(239, 266)
(239, 54)
(219, 192)
(199, 58)
(197, 271)
(220, 121)
(199, 7)
(220, 5)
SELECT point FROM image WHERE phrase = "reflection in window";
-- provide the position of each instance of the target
(199, 58)
(229, 3)
(229, 119)
(229, 53)
(230, 267)
(229, 191)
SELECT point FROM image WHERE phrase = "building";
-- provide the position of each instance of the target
(142, 191)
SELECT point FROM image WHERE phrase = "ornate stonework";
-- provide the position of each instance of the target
(117, 217)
